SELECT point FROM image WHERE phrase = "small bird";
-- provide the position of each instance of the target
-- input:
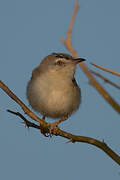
(52, 90)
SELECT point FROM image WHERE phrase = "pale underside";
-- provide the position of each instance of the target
(53, 98)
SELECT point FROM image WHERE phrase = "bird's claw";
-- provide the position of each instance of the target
(48, 132)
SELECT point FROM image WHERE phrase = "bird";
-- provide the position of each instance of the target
(52, 90)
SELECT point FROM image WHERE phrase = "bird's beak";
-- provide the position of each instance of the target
(77, 60)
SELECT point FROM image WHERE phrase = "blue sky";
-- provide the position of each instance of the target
(30, 30)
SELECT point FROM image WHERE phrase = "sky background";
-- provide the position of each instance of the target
(30, 30)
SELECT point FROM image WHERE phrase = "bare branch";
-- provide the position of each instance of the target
(44, 130)
(68, 41)
(68, 44)
(105, 69)
(105, 79)
(26, 122)
(45, 127)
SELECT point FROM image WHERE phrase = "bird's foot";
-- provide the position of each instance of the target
(44, 130)
(52, 126)
(55, 124)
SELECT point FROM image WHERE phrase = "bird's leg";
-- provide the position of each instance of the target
(59, 121)
(44, 130)
(55, 124)
(52, 126)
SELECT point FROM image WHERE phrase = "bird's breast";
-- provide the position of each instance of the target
(53, 96)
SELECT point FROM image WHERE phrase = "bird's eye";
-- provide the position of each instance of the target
(59, 63)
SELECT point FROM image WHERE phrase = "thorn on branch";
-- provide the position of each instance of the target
(44, 130)
(70, 141)
(25, 121)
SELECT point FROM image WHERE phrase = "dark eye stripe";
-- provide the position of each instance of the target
(62, 56)
(59, 56)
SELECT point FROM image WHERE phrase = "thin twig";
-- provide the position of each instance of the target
(105, 69)
(68, 41)
(43, 129)
(105, 79)
(26, 122)
(68, 44)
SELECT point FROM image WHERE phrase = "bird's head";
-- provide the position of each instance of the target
(60, 63)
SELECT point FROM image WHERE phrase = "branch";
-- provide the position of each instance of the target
(68, 41)
(45, 127)
(68, 44)
(44, 130)
(105, 79)
(105, 69)
(26, 122)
